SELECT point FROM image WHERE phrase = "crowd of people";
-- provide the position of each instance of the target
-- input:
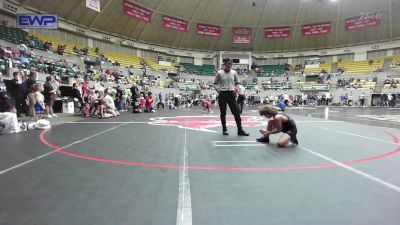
(351, 83)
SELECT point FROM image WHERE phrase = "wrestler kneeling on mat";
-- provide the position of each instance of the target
(278, 122)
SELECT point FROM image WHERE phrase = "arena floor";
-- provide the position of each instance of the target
(175, 167)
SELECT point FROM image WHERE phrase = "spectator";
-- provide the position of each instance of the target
(76, 94)
(48, 46)
(135, 98)
(109, 103)
(5, 100)
(16, 92)
(9, 123)
(61, 49)
(49, 97)
(160, 101)
(149, 103)
(118, 98)
(39, 99)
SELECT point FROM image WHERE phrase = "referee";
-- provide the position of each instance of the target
(226, 79)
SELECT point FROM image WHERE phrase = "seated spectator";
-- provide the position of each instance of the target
(61, 49)
(5, 99)
(149, 103)
(48, 46)
(76, 50)
(206, 103)
(131, 70)
(9, 123)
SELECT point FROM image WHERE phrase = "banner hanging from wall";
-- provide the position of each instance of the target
(137, 12)
(43, 21)
(365, 20)
(93, 4)
(277, 32)
(174, 23)
(242, 35)
(209, 30)
(317, 29)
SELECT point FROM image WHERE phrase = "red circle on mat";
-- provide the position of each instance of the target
(174, 166)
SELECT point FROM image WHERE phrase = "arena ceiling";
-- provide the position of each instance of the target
(255, 14)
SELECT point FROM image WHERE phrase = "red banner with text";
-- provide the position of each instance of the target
(364, 20)
(137, 12)
(277, 32)
(174, 23)
(316, 29)
(242, 35)
(210, 30)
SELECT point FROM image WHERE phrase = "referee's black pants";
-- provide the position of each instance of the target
(229, 97)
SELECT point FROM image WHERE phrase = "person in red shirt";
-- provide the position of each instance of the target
(142, 101)
(85, 88)
(149, 103)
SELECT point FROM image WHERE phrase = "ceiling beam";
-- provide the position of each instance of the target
(258, 24)
(296, 24)
(190, 22)
(100, 13)
(25, 2)
(75, 6)
(147, 24)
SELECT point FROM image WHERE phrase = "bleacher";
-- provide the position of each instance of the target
(55, 42)
(124, 59)
(357, 67)
(206, 70)
(17, 36)
(327, 66)
(395, 85)
(272, 70)
(395, 59)
(367, 83)
(156, 67)
(276, 85)
(249, 85)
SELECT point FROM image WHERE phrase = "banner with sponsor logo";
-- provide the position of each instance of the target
(277, 32)
(316, 29)
(314, 87)
(363, 21)
(137, 12)
(93, 4)
(29, 21)
(210, 30)
(242, 35)
(174, 23)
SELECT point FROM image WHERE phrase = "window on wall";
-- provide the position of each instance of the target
(279, 61)
(375, 54)
(149, 54)
(346, 57)
(396, 51)
(299, 60)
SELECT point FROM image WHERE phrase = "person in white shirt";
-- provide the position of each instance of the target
(109, 104)
(225, 82)
(9, 123)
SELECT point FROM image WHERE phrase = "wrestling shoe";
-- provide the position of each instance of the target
(263, 139)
